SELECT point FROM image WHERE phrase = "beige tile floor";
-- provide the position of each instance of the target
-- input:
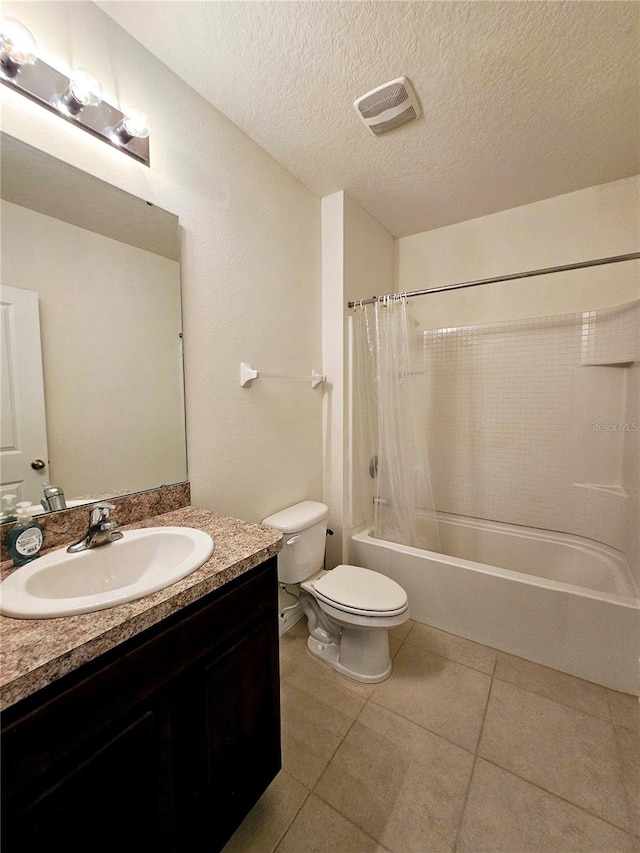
(463, 749)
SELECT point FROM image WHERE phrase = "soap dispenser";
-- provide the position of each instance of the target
(25, 539)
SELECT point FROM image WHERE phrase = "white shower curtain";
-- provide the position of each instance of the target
(390, 423)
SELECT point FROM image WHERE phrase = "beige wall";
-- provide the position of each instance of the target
(369, 260)
(113, 386)
(334, 489)
(596, 222)
(250, 260)
(357, 256)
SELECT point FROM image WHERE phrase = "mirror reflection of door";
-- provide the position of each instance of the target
(23, 434)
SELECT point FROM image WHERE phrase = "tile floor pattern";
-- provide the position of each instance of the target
(462, 749)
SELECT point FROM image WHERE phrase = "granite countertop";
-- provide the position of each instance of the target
(35, 652)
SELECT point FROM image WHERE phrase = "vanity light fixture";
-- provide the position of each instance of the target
(77, 98)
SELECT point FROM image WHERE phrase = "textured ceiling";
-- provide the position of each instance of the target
(521, 100)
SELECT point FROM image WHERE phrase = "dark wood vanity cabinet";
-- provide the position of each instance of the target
(162, 744)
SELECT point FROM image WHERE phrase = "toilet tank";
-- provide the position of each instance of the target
(304, 526)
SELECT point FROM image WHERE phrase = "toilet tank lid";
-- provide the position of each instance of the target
(298, 517)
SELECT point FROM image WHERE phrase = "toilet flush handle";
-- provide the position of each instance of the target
(293, 540)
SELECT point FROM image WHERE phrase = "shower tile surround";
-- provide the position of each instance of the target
(464, 748)
(528, 421)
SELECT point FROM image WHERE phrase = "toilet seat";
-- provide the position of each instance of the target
(353, 589)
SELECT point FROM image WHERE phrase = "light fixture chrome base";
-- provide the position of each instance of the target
(47, 87)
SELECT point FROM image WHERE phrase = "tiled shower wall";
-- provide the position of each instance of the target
(530, 422)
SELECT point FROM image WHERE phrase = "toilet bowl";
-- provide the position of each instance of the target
(349, 609)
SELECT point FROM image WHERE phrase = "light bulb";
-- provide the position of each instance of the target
(17, 47)
(133, 124)
(86, 87)
(84, 90)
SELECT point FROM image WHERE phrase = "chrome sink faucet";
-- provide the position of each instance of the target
(102, 529)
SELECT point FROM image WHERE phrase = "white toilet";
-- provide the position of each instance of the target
(349, 609)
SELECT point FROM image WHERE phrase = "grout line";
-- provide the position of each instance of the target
(626, 789)
(426, 728)
(333, 754)
(558, 701)
(297, 812)
(558, 796)
(611, 718)
(353, 823)
(473, 768)
(495, 664)
(420, 726)
(453, 660)
(492, 674)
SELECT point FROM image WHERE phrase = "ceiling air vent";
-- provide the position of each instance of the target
(389, 106)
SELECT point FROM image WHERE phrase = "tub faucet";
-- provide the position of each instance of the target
(102, 529)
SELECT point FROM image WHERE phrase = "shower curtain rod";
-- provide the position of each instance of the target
(614, 259)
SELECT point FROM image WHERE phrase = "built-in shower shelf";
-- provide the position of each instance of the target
(601, 487)
(602, 363)
(610, 336)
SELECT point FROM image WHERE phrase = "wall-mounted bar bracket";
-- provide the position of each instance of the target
(248, 374)
(317, 378)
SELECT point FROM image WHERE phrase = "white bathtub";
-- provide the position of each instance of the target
(559, 600)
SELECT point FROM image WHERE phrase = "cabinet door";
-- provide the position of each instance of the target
(113, 799)
(166, 741)
(241, 750)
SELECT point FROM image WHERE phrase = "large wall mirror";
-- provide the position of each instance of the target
(92, 373)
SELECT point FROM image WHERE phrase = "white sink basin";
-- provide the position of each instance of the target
(142, 562)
